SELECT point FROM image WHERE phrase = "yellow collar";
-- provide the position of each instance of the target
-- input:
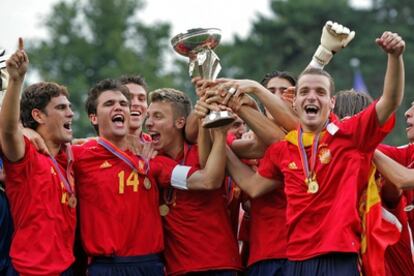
(307, 138)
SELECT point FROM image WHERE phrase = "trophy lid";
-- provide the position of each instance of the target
(194, 40)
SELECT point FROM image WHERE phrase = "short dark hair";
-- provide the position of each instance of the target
(38, 96)
(350, 102)
(320, 72)
(180, 102)
(136, 79)
(278, 74)
(99, 88)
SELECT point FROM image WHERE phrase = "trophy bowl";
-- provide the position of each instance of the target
(195, 40)
(198, 44)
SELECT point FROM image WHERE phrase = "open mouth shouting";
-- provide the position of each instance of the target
(409, 126)
(135, 114)
(155, 136)
(118, 120)
(311, 110)
(68, 126)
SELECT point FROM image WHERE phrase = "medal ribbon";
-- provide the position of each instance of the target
(169, 193)
(120, 154)
(309, 171)
(68, 180)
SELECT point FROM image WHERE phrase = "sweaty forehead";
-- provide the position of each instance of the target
(61, 99)
(111, 95)
(162, 107)
(314, 82)
(136, 89)
(317, 80)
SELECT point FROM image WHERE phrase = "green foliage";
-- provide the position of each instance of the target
(288, 38)
(97, 39)
(92, 40)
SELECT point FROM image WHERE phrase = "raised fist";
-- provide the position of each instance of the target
(18, 63)
(334, 37)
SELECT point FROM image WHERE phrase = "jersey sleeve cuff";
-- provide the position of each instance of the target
(179, 177)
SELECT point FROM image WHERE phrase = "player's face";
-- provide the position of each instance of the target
(58, 119)
(112, 115)
(161, 126)
(409, 115)
(238, 128)
(139, 105)
(278, 85)
(313, 102)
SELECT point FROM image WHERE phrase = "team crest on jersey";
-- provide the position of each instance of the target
(105, 165)
(292, 166)
(325, 155)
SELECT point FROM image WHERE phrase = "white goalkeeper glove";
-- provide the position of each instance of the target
(334, 37)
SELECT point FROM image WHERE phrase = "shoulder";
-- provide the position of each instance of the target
(90, 146)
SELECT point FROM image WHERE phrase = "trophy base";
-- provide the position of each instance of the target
(218, 119)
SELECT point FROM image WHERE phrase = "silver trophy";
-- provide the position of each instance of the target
(4, 77)
(197, 45)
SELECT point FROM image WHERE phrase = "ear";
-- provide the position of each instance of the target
(332, 103)
(294, 103)
(179, 123)
(38, 116)
(93, 119)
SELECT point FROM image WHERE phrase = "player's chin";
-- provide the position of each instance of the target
(67, 138)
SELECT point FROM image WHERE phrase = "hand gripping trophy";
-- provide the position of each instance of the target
(198, 45)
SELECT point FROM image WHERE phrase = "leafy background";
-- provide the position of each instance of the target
(96, 39)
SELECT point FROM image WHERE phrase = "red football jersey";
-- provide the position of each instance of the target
(198, 233)
(119, 212)
(399, 259)
(44, 224)
(268, 230)
(327, 221)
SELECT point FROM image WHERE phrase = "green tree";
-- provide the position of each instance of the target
(287, 39)
(92, 40)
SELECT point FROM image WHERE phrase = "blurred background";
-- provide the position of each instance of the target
(77, 43)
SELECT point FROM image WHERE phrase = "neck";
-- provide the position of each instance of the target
(136, 132)
(119, 142)
(176, 149)
(314, 129)
(51, 146)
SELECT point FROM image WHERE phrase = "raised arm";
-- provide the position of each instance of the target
(246, 108)
(11, 134)
(251, 182)
(334, 37)
(282, 114)
(396, 173)
(249, 146)
(203, 138)
(212, 175)
(393, 92)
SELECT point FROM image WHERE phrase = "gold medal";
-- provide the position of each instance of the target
(72, 201)
(313, 187)
(164, 210)
(147, 183)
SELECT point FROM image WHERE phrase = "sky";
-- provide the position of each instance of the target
(24, 17)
